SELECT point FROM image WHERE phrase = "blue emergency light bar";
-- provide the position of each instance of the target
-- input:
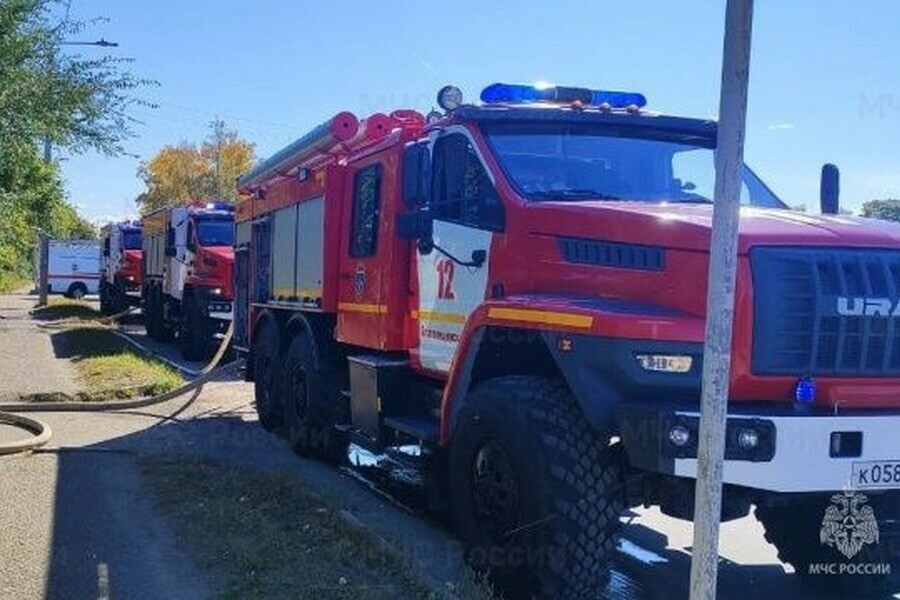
(505, 93)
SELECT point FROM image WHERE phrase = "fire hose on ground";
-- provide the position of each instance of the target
(41, 432)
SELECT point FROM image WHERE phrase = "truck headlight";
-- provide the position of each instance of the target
(216, 291)
(680, 436)
(665, 363)
(748, 439)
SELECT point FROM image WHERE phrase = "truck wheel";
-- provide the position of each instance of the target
(192, 335)
(151, 314)
(309, 399)
(76, 291)
(537, 494)
(796, 528)
(266, 371)
(165, 330)
(105, 308)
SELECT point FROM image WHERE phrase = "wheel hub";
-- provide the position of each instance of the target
(495, 490)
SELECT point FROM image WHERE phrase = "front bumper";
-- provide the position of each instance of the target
(796, 451)
(219, 308)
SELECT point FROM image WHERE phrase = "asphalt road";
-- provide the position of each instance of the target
(75, 519)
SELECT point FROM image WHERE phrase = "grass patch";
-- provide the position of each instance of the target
(64, 308)
(264, 536)
(109, 368)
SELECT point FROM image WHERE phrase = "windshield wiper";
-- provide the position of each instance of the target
(572, 194)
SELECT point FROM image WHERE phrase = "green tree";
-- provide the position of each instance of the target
(32, 199)
(180, 173)
(888, 209)
(77, 102)
(229, 156)
(74, 102)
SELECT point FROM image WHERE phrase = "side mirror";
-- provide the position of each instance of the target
(830, 189)
(417, 225)
(416, 174)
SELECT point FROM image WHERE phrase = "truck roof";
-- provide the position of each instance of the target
(704, 129)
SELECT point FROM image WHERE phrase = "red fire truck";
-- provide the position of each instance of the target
(120, 266)
(517, 288)
(188, 275)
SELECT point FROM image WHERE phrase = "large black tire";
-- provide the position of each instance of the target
(267, 387)
(311, 401)
(537, 494)
(794, 527)
(194, 335)
(106, 306)
(165, 329)
(151, 313)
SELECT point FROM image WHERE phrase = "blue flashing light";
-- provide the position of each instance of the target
(226, 206)
(524, 94)
(806, 391)
(618, 99)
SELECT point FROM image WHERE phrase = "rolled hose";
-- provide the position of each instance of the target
(42, 432)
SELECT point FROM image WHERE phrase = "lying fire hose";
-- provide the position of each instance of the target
(41, 431)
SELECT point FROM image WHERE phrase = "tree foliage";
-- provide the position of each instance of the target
(32, 199)
(45, 94)
(184, 172)
(74, 101)
(888, 209)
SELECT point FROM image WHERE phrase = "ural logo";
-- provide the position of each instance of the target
(849, 524)
(869, 307)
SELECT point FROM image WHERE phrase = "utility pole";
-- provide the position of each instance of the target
(720, 298)
(102, 43)
(43, 267)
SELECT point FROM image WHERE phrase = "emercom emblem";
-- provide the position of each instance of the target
(849, 524)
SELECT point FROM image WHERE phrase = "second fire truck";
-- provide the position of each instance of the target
(187, 283)
(120, 266)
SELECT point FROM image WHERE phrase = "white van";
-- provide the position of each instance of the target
(74, 267)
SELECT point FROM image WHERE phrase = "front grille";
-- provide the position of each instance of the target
(825, 312)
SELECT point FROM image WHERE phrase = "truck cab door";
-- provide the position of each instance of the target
(452, 271)
(180, 261)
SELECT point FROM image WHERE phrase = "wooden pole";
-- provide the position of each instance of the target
(43, 267)
(720, 298)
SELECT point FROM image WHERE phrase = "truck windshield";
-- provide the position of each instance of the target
(215, 232)
(131, 240)
(553, 161)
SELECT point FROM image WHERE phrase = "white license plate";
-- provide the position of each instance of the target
(883, 474)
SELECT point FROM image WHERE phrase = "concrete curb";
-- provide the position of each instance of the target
(118, 404)
(42, 432)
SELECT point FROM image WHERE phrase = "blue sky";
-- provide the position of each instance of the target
(825, 78)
